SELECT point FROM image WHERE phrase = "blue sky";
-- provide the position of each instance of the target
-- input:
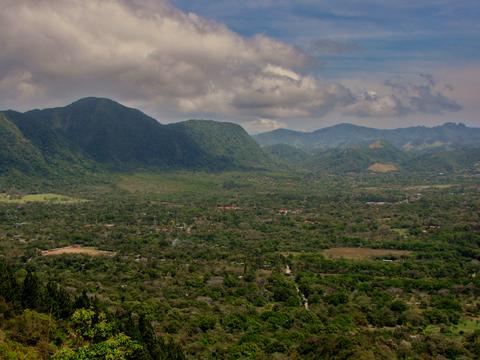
(376, 39)
(387, 36)
(264, 64)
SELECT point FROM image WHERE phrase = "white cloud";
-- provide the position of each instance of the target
(147, 53)
(401, 97)
(263, 125)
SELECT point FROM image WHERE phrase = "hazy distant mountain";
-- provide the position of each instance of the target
(446, 136)
(378, 156)
(95, 132)
(287, 154)
(446, 161)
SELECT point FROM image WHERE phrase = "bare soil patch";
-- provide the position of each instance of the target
(382, 168)
(77, 249)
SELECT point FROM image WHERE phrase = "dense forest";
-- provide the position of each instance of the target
(243, 265)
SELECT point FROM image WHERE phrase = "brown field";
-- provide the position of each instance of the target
(351, 253)
(77, 249)
(382, 168)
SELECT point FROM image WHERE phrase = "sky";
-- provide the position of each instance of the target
(265, 64)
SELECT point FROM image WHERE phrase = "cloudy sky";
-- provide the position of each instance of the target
(301, 64)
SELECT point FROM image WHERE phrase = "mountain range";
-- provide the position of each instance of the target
(446, 136)
(349, 148)
(378, 156)
(96, 135)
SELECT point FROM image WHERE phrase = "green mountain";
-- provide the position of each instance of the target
(380, 156)
(222, 145)
(95, 133)
(62, 157)
(286, 154)
(377, 156)
(17, 153)
(110, 133)
(442, 137)
(446, 161)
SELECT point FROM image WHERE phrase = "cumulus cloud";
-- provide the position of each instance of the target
(147, 53)
(403, 98)
(263, 125)
(142, 49)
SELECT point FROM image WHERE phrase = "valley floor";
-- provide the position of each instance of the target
(254, 265)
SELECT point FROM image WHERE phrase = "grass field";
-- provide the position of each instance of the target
(42, 198)
(462, 328)
(351, 253)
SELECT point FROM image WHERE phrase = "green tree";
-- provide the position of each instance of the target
(31, 291)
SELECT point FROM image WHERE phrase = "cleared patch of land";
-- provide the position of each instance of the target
(426, 187)
(351, 253)
(77, 249)
(467, 326)
(382, 168)
(42, 198)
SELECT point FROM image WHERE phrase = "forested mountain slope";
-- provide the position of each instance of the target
(344, 135)
(98, 133)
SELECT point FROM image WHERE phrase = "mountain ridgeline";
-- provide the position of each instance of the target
(95, 133)
(350, 148)
(95, 136)
(444, 137)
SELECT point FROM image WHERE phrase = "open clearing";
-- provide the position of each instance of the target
(351, 253)
(467, 326)
(382, 168)
(77, 249)
(433, 186)
(42, 198)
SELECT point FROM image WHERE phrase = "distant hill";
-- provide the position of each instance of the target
(382, 157)
(358, 158)
(446, 161)
(287, 154)
(222, 144)
(97, 133)
(442, 137)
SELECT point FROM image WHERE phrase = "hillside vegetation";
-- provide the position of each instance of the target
(17, 153)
